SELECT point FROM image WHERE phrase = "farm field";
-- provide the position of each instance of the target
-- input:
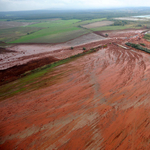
(12, 24)
(114, 28)
(56, 30)
(50, 30)
(84, 39)
(98, 24)
(59, 37)
(59, 31)
(11, 34)
(80, 23)
(97, 101)
(37, 20)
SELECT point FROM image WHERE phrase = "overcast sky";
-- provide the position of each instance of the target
(12, 5)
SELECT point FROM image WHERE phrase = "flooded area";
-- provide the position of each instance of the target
(24, 53)
(99, 101)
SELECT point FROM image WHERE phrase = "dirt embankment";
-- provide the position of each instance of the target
(15, 72)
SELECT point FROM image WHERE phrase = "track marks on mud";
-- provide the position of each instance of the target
(101, 102)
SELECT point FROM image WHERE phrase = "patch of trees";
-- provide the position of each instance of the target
(120, 23)
(147, 36)
(137, 46)
(30, 32)
(142, 44)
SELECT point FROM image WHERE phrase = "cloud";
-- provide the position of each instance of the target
(12, 5)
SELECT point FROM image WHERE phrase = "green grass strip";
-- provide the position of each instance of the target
(137, 46)
(147, 36)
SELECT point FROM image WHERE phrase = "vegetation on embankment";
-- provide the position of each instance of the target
(37, 78)
(147, 36)
(137, 46)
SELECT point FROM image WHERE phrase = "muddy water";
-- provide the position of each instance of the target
(24, 53)
(101, 101)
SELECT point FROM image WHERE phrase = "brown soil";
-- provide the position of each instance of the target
(97, 24)
(15, 72)
(99, 101)
(12, 24)
(120, 33)
(101, 33)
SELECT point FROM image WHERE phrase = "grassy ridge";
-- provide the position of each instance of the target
(147, 36)
(137, 46)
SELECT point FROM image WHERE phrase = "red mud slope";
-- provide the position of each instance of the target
(99, 101)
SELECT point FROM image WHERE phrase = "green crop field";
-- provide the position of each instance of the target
(59, 37)
(8, 35)
(53, 29)
(56, 31)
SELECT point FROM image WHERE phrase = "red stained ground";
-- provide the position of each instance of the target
(101, 101)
